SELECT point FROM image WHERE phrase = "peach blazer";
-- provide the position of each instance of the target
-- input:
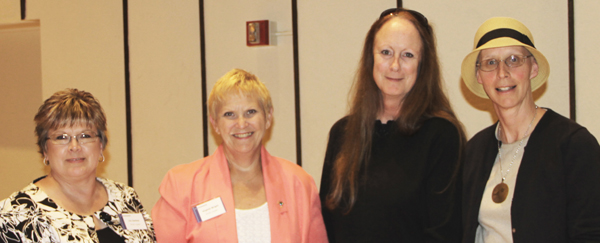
(293, 199)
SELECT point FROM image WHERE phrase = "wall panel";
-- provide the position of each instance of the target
(20, 97)
(455, 30)
(82, 47)
(587, 59)
(10, 12)
(330, 35)
(166, 99)
(226, 49)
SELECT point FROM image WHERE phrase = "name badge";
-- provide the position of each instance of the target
(209, 209)
(133, 221)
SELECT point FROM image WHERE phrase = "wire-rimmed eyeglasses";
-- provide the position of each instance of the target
(491, 64)
(82, 138)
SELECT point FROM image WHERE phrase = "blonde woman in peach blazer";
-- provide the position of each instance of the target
(240, 193)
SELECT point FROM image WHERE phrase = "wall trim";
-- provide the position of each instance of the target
(205, 132)
(127, 94)
(23, 9)
(297, 83)
(572, 88)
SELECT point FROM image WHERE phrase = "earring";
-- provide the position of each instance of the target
(103, 158)
(46, 161)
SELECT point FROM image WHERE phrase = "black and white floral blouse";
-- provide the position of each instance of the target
(30, 216)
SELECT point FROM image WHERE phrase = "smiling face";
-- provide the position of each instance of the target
(508, 86)
(73, 160)
(397, 53)
(241, 122)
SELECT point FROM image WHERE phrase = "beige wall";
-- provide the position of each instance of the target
(587, 63)
(166, 104)
(330, 36)
(456, 22)
(21, 95)
(81, 45)
(226, 49)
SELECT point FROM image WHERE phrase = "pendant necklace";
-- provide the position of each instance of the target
(500, 191)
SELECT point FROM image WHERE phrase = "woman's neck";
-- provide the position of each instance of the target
(518, 122)
(246, 179)
(390, 111)
(83, 196)
(243, 162)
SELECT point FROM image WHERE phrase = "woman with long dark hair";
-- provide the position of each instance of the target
(391, 171)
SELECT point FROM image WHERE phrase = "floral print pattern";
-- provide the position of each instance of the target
(30, 216)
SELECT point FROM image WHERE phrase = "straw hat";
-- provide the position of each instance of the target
(500, 32)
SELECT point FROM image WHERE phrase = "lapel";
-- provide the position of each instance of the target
(489, 158)
(220, 186)
(276, 197)
(530, 165)
(490, 151)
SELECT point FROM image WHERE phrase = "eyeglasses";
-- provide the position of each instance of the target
(491, 64)
(63, 139)
(394, 11)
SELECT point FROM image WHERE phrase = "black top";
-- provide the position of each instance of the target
(405, 193)
(106, 235)
(557, 192)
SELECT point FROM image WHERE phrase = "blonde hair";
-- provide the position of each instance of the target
(238, 82)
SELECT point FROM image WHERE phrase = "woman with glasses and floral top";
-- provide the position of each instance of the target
(391, 171)
(71, 204)
(533, 176)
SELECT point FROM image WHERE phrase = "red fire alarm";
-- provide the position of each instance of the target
(257, 33)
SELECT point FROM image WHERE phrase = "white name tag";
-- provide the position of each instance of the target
(209, 209)
(133, 221)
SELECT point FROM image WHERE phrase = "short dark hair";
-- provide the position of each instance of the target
(67, 108)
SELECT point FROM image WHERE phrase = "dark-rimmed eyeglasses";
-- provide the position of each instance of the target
(394, 11)
(63, 139)
(491, 64)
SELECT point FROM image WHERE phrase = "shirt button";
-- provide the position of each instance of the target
(514, 230)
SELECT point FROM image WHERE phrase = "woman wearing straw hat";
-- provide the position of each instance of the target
(534, 176)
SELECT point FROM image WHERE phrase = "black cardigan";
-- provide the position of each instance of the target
(406, 194)
(557, 192)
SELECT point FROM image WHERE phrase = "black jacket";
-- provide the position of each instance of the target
(406, 192)
(557, 192)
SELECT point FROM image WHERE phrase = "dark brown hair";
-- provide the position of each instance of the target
(425, 100)
(67, 108)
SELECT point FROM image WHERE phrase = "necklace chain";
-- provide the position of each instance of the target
(518, 147)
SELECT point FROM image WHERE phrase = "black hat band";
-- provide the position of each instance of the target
(497, 33)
